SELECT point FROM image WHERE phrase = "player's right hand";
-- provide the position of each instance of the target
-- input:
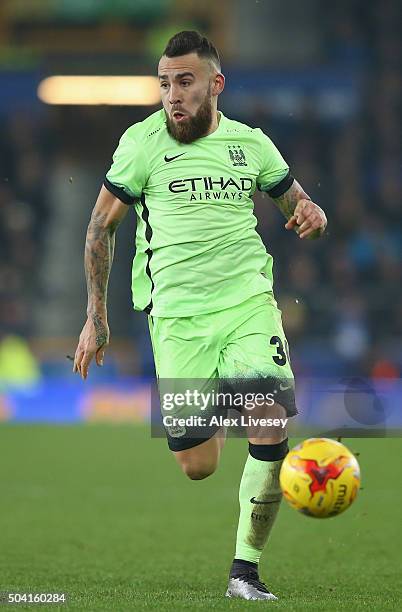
(93, 340)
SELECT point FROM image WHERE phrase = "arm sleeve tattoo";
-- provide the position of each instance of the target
(99, 249)
(287, 201)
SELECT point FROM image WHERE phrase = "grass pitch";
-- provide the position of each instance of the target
(103, 514)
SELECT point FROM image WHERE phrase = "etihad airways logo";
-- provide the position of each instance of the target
(212, 188)
(210, 184)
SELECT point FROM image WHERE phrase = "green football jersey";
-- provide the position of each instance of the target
(197, 248)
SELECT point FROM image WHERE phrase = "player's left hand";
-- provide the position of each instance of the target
(308, 220)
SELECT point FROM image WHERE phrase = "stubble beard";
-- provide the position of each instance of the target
(193, 127)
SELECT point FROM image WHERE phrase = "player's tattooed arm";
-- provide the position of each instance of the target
(302, 214)
(287, 202)
(99, 249)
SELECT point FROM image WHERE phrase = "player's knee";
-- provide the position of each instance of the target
(198, 471)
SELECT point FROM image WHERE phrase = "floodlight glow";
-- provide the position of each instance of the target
(119, 90)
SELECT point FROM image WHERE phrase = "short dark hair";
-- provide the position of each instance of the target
(190, 41)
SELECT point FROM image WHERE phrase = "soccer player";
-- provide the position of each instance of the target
(202, 273)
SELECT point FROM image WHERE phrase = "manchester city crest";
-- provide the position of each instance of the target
(175, 431)
(236, 155)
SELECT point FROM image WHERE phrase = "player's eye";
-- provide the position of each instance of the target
(164, 85)
(185, 83)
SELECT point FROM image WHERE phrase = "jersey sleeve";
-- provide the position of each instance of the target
(127, 174)
(274, 176)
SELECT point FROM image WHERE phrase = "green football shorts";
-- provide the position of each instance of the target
(239, 350)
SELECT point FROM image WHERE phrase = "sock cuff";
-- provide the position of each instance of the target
(239, 566)
(269, 452)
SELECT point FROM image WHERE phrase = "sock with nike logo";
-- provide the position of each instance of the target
(259, 496)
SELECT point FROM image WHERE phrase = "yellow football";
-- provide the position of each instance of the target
(320, 477)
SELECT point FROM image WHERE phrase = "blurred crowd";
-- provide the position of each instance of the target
(341, 297)
(23, 217)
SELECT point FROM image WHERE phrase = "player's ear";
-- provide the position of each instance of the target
(218, 83)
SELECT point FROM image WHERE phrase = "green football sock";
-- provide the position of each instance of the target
(259, 496)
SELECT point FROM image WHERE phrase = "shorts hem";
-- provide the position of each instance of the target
(180, 444)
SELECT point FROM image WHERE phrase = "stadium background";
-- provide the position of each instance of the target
(325, 87)
(324, 83)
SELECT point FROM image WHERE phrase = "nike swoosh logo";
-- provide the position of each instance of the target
(283, 388)
(169, 159)
(255, 501)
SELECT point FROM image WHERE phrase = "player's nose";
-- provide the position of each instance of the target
(174, 95)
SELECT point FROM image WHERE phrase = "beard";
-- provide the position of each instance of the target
(193, 127)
